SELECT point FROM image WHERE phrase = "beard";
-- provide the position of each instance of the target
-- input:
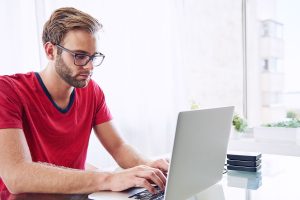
(65, 73)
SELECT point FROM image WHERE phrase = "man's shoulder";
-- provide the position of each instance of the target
(91, 90)
(15, 81)
(92, 86)
(17, 77)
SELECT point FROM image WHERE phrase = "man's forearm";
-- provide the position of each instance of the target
(44, 178)
(128, 157)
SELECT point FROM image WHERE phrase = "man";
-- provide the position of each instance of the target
(46, 119)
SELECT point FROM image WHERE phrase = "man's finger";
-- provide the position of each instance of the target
(155, 176)
(142, 182)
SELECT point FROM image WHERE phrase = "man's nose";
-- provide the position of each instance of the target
(89, 65)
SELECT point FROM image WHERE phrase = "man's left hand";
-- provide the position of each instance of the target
(162, 164)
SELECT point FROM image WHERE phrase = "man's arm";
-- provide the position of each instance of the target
(140, 172)
(124, 154)
(21, 175)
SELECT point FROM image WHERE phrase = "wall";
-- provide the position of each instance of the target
(160, 55)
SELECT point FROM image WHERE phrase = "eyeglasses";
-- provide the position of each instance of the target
(82, 59)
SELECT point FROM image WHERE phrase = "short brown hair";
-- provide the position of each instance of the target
(66, 19)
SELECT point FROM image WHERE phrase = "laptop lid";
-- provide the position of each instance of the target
(199, 151)
(198, 154)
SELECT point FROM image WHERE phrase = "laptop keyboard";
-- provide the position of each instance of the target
(146, 195)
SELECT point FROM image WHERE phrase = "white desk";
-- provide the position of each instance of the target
(279, 179)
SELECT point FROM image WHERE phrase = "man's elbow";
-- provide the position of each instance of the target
(14, 184)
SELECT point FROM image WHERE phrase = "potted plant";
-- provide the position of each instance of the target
(285, 131)
(240, 126)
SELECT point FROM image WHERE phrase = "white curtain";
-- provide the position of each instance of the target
(18, 37)
(160, 56)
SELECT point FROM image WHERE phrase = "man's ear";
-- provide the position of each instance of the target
(50, 50)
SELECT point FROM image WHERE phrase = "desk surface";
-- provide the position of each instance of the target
(279, 179)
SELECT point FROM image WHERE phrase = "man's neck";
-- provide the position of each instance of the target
(59, 90)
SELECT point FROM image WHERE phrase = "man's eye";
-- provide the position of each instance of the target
(81, 57)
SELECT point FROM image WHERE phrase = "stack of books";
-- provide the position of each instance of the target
(250, 162)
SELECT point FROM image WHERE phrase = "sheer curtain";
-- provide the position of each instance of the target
(213, 52)
(19, 37)
(160, 56)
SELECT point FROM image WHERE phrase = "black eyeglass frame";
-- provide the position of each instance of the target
(91, 58)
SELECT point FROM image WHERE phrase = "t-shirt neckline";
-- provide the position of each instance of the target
(72, 97)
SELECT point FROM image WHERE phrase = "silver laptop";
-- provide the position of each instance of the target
(198, 155)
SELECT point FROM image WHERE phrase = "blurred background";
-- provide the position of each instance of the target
(165, 56)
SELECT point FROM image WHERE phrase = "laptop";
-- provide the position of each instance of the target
(198, 155)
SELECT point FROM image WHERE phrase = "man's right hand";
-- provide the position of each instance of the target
(139, 176)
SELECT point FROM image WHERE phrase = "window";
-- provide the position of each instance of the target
(273, 64)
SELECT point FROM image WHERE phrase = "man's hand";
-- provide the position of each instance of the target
(162, 164)
(139, 176)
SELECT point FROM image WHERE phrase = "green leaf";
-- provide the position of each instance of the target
(239, 123)
(293, 123)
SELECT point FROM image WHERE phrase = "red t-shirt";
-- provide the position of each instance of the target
(54, 135)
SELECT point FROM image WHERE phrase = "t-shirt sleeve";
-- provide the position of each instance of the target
(102, 112)
(10, 105)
